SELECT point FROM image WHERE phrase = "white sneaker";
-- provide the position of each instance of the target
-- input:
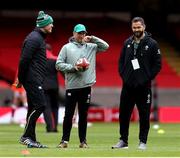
(142, 146)
(121, 144)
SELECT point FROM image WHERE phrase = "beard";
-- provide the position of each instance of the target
(138, 34)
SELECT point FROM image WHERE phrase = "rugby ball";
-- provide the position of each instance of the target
(83, 63)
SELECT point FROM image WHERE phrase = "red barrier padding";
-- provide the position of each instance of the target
(169, 114)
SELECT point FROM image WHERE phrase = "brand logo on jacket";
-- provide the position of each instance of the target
(39, 87)
(159, 52)
(146, 47)
(69, 94)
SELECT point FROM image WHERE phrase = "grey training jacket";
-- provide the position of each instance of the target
(69, 55)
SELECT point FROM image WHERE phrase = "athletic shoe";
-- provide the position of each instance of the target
(63, 144)
(30, 143)
(121, 144)
(25, 140)
(142, 146)
(36, 145)
(83, 145)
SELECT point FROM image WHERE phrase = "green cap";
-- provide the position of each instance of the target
(80, 28)
(43, 19)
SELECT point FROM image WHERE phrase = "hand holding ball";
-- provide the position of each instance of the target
(82, 64)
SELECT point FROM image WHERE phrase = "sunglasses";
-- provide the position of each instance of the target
(81, 33)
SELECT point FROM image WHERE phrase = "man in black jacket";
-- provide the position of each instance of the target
(139, 63)
(31, 73)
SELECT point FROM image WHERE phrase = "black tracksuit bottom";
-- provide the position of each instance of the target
(36, 105)
(81, 96)
(141, 96)
(51, 111)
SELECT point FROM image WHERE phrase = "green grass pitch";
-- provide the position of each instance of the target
(101, 136)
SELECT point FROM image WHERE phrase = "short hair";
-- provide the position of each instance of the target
(138, 19)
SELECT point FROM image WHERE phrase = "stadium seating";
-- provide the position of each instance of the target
(107, 63)
(114, 32)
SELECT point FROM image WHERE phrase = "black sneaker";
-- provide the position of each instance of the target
(121, 144)
(25, 140)
(30, 143)
(36, 145)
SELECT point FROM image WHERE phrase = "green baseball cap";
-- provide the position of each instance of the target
(43, 19)
(80, 28)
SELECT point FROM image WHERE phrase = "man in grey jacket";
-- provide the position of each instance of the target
(78, 82)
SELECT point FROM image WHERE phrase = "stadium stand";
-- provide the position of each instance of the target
(107, 89)
(107, 74)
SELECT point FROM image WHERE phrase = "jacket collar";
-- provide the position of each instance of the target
(41, 32)
(72, 40)
(147, 35)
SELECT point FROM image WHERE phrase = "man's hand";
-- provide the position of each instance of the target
(78, 68)
(82, 64)
(87, 38)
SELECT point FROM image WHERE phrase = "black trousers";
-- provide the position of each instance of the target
(36, 105)
(82, 97)
(141, 96)
(51, 110)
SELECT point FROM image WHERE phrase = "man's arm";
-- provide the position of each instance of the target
(61, 64)
(101, 44)
(121, 60)
(29, 48)
(156, 60)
